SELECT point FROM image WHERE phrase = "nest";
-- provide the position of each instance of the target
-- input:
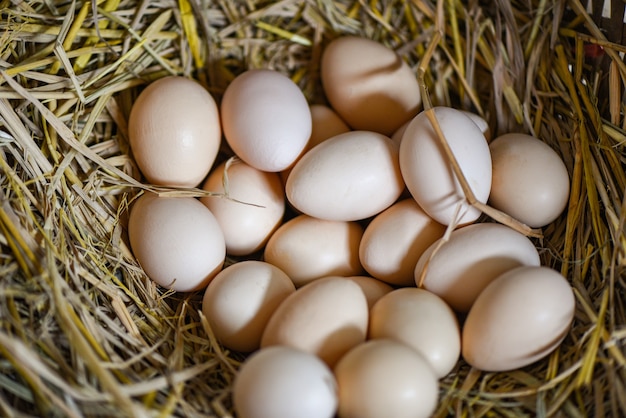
(84, 332)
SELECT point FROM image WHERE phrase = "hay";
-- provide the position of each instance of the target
(83, 332)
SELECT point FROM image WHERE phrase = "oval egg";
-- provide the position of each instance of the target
(348, 177)
(394, 241)
(240, 300)
(384, 378)
(422, 321)
(308, 248)
(174, 132)
(326, 317)
(369, 85)
(266, 119)
(470, 259)
(176, 240)
(521, 317)
(253, 208)
(530, 180)
(428, 174)
(282, 382)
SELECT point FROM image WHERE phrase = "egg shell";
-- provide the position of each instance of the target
(308, 248)
(394, 241)
(174, 132)
(326, 317)
(530, 180)
(176, 240)
(348, 177)
(326, 123)
(266, 119)
(521, 317)
(372, 288)
(253, 209)
(282, 382)
(421, 320)
(472, 257)
(383, 378)
(239, 301)
(428, 174)
(368, 84)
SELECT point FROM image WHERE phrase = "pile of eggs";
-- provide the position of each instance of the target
(361, 301)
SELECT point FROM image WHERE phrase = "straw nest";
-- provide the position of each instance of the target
(83, 332)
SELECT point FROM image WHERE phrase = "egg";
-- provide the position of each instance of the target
(429, 175)
(394, 241)
(530, 180)
(251, 211)
(470, 259)
(174, 132)
(421, 320)
(308, 248)
(176, 240)
(326, 317)
(282, 382)
(348, 177)
(372, 288)
(519, 318)
(239, 301)
(383, 378)
(368, 84)
(266, 119)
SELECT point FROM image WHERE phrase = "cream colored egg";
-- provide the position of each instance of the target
(384, 378)
(421, 320)
(521, 317)
(239, 301)
(372, 288)
(348, 177)
(308, 248)
(282, 382)
(473, 256)
(369, 85)
(253, 209)
(428, 174)
(266, 119)
(394, 241)
(174, 132)
(326, 317)
(176, 240)
(530, 180)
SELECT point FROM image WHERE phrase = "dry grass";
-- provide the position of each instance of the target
(83, 332)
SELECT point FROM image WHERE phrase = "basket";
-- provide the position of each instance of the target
(84, 332)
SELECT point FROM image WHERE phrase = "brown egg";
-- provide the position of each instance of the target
(421, 320)
(394, 241)
(369, 85)
(530, 181)
(174, 132)
(384, 378)
(372, 288)
(326, 317)
(176, 240)
(240, 300)
(308, 248)
(253, 209)
(470, 259)
(521, 317)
